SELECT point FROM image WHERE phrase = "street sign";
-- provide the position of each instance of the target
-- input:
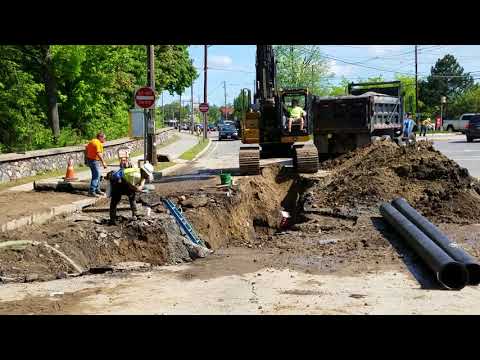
(203, 107)
(145, 98)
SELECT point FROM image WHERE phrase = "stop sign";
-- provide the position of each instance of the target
(145, 97)
(203, 107)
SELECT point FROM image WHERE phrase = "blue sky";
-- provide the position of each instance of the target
(235, 64)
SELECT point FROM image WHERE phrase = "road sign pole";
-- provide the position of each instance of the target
(205, 120)
(151, 137)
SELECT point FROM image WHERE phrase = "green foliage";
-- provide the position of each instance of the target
(468, 102)
(446, 78)
(214, 114)
(95, 86)
(302, 66)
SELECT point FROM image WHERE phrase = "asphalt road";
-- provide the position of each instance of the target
(465, 154)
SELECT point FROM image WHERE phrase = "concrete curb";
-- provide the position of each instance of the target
(41, 218)
(203, 151)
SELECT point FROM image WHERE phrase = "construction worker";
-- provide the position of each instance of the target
(424, 126)
(94, 156)
(408, 125)
(296, 115)
(127, 181)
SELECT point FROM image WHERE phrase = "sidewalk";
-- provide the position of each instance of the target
(174, 151)
(26, 207)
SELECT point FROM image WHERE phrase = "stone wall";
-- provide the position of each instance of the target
(15, 166)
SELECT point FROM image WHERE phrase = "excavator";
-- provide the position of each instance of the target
(264, 129)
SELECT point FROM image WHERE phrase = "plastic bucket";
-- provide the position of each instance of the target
(225, 179)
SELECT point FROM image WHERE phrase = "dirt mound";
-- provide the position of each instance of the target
(431, 182)
(155, 240)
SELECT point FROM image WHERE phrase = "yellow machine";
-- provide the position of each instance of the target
(264, 124)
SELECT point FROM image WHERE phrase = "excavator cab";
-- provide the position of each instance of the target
(287, 98)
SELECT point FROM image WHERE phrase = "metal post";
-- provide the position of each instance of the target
(151, 141)
(163, 112)
(416, 82)
(205, 116)
(225, 94)
(191, 102)
(145, 136)
(180, 111)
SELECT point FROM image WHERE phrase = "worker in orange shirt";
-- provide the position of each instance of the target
(94, 155)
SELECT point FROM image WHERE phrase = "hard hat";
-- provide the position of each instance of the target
(148, 168)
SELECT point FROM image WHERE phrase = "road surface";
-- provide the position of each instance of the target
(465, 154)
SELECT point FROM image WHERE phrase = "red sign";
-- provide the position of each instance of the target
(438, 123)
(145, 97)
(203, 107)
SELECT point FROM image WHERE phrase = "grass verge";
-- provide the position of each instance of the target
(163, 165)
(194, 151)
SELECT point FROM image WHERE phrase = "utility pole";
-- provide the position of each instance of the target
(191, 101)
(225, 94)
(163, 112)
(416, 82)
(151, 141)
(205, 116)
(180, 110)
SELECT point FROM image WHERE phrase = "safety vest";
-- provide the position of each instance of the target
(132, 176)
(297, 112)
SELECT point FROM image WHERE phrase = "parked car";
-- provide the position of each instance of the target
(227, 132)
(458, 125)
(472, 129)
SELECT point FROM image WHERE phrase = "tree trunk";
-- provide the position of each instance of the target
(51, 90)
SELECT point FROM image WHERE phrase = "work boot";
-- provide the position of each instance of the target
(112, 222)
(100, 192)
(91, 194)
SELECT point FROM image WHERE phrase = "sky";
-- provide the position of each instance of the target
(235, 64)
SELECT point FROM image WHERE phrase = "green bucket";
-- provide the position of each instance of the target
(226, 179)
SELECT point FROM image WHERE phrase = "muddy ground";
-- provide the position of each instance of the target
(334, 227)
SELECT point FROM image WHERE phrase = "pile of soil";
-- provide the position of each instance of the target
(428, 180)
(92, 244)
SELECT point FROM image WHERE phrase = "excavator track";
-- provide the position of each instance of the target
(306, 159)
(249, 159)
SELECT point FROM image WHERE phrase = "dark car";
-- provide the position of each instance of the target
(472, 129)
(227, 132)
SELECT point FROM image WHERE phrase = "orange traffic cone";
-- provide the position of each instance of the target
(70, 175)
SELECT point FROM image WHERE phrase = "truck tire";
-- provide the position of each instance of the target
(450, 128)
(469, 139)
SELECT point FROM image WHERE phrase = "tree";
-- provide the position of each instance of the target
(302, 67)
(468, 102)
(92, 85)
(340, 89)
(240, 104)
(214, 114)
(447, 78)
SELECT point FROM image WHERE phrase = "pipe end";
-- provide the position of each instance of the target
(473, 270)
(453, 276)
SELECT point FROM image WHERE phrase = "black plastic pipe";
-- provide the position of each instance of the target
(434, 233)
(450, 274)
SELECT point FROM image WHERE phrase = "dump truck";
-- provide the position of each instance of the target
(344, 123)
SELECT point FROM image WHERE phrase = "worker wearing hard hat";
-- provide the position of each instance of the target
(127, 181)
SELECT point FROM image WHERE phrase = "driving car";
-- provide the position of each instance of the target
(472, 129)
(227, 132)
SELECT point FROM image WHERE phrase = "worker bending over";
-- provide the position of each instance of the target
(127, 181)
(296, 115)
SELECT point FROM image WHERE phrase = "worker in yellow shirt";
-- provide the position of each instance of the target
(297, 114)
(424, 127)
(94, 157)
(127, 181)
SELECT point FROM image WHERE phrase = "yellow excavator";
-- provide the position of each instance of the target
(264, 124)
